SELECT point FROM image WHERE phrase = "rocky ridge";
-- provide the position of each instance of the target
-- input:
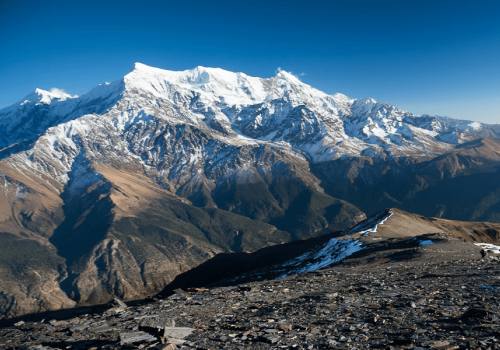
(442, 298)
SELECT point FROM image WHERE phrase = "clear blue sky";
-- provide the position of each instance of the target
(427, 56)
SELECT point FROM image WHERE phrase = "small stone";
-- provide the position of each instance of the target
(180, 292)
(198, 290)
(135, 337)
(270, 330)
(440, 344)
(177, 332)
(272, 339)
(117, 301)
(174, 341)
(285, 327)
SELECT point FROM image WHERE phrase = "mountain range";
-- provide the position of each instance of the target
(120, 190)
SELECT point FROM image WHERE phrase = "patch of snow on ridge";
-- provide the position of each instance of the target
(475, 125)
(41, 96)
(54, 93)
(371, 226)
(495, 249)
(332, 252)
(337, 250)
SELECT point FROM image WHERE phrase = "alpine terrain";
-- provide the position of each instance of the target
(122, 191)
(396, 280)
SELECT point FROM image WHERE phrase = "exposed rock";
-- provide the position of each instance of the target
(437, 301)
(177, 332)
(136, 337)
(118, 302)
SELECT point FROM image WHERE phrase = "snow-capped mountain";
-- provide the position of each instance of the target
(124, 187)
(250, 106)
(233, 110)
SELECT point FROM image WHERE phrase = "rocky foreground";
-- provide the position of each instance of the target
(426, 303)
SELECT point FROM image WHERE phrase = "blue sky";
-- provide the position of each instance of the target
(437, 57)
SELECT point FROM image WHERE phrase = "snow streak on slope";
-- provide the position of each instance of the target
(332, 252)
(495, 249)
(371, 225)
(335, 250)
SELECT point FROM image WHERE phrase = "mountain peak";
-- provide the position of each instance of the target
(218, 85)
(283, 74)
(140, 65)
(47, 96)
(367, 101)
(338, 96)
(211, 83)
(188, 75)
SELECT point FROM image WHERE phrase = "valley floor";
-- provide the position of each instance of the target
(430, 303)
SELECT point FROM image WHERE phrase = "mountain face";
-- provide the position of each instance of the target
(460, 184)
(118, 191)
